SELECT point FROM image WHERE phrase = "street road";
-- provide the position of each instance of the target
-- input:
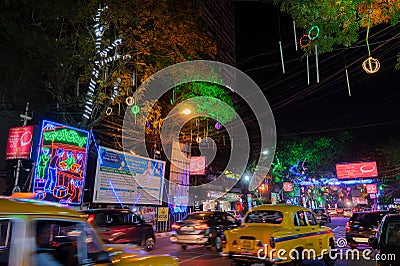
(200, 256)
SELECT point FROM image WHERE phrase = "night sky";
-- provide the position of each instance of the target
(323, 107)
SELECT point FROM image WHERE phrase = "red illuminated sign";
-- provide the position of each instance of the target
(371, 189)
(19, 143)
(357, 170)
(287, 186)
(198, 165)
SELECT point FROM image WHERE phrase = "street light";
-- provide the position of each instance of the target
(187, 111)
(246, 177)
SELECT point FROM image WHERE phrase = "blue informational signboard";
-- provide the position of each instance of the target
(61, 163)
(126, 179)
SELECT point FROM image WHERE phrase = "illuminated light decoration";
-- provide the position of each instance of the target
(129, 101)
(147, 124)
(217, 126)
(316, 63)
(371, 65)
(109, 111)
(102, 60)
(61, 163)
(313, 29)
(281, 52)
(305, 41)
(115, 193)
(295, 36)
(348, 83)
(135, 109)
(65, 136)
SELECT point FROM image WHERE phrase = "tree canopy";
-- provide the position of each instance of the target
(340, 22)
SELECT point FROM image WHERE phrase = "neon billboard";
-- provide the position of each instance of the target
(61, 163)
(356, 170)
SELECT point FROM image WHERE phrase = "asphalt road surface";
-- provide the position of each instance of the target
(201, 256)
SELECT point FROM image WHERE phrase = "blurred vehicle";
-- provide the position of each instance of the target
(361, 207)
(236, 214)
(387, 241)
(347, 212)
(339, 211)
(332, 212)
(43, 233)
(280, 227)
(322, 215)
(363, 225)
(203, 228)
(121, 226)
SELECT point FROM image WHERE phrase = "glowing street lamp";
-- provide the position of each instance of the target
(187, 111)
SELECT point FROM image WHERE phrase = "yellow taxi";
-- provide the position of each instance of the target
(42, 233)
(276, 234)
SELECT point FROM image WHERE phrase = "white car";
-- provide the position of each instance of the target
(347, 212)
(332, 212)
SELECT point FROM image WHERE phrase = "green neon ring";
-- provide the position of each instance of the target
(316, 28)
(135, 109)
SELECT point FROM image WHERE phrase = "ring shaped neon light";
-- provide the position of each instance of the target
(305, 40)
(135, 109)
(129, 101)
(313, 29)
(109, 111)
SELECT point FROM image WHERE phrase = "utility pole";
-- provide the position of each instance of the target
(25, 118)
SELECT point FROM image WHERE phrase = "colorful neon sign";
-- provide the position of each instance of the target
(61, 163)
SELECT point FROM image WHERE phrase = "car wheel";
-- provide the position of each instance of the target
(149, 243)
(329, 258)
(240, 263)
(218, 244)
(184, 247)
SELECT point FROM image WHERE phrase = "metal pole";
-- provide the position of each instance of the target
(25, 119)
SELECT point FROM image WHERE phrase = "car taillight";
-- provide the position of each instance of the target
(223, 240)
(201, 227)
(347, 227)
(175, 226)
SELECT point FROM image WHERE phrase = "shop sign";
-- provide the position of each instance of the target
(371, 189)
(19, 143)
(162, 214)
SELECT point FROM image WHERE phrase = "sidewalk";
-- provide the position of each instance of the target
(163, 234)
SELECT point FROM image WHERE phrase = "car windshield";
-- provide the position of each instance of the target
(264, 216)
(198, 216)
(392, 234)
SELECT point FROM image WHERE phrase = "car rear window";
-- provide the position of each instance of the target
(319, 211)
(368, 218)
(114, 219)
(198, 216)
(264, 216)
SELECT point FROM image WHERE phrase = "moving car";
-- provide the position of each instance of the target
(236, 214)
(121, 226)
(203, 228)
(332, 212)
(347, 212)
(363, 225)
(322, 215)
(339, 211)
(269, 228)
(387, 241)
(41, 233)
